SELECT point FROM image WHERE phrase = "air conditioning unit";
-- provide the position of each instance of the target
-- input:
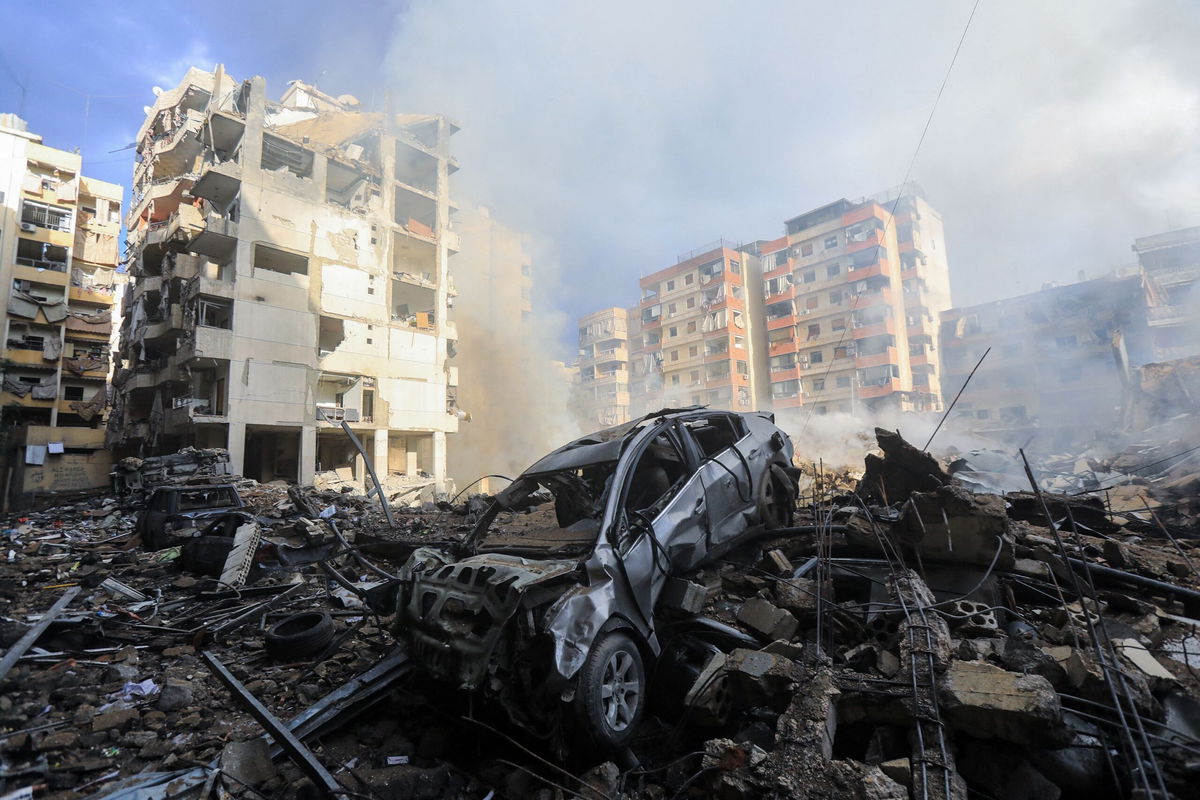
(28, 227)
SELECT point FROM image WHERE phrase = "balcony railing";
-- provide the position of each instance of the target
(41, 263)
(45, 218)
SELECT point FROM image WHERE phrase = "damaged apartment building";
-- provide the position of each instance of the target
(290, 274)
(58, 259)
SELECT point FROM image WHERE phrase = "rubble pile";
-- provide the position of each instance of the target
(933, 630)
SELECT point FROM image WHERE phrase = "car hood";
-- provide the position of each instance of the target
(453, 612)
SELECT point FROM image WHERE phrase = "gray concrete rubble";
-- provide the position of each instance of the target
(912, 636)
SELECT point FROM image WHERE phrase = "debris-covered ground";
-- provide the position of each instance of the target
(928, 628)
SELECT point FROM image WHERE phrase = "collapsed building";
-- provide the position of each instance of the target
(58, 262)
(290, 275)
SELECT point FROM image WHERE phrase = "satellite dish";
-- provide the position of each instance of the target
(157, 90)
(349, 100)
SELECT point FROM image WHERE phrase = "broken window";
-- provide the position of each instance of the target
(790, 388)
(41, 255)
(345, 186)
(279, 154)
(72, 393)
(281, 261)
(331, 333)
(713, 435)
(214, 312)
(416, 167)
(659, 471)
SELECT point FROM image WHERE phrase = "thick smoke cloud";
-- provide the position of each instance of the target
(627, 132)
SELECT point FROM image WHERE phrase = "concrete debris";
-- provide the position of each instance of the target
(929, 641)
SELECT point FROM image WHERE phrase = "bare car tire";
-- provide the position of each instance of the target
(299, 635)
(776, 503)
(611, 693)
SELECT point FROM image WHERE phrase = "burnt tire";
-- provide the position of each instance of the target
(299, 635)
(775, 502)
(205, 555)
(611, 693)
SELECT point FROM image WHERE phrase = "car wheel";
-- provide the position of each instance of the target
(776, 503)
(612, 692)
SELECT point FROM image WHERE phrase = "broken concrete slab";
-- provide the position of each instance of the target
(767, 620)
(986, 701)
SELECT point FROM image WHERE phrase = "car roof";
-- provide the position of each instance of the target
(604, 446)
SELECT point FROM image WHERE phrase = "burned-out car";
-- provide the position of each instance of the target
(174, 514)
(553, 612)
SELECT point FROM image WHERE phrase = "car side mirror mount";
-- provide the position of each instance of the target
(776, 441)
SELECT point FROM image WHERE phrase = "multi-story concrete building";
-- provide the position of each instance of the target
(58, 260)
(602, 394)
(1055, 362)
(698, 342)
(851, 297)
(290, 271)
(1170, 265)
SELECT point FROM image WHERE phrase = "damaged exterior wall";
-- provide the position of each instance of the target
(58, 255)
(1056, 358)
(290, 272)
(1170, 265)
(695, 334)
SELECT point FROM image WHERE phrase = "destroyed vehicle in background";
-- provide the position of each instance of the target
(133, 478)
(553, 613)
(175, 514)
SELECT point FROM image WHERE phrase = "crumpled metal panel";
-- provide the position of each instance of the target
(456, 611)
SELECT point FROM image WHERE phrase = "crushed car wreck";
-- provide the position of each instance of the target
(562, 603)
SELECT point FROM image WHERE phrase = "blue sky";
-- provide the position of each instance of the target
(620, 134)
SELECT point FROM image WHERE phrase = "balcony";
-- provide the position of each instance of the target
(335, 414)
(779, 348)
(1163, 316)
(867, 330)
(879, 388)
(872, 239)
(778, 323)
(786, 294)
(172, 322)
(219, 182)
(95, 293)
(876, 297)
(32, 267)
(28, 401)
(78, 328)
(172, 151)
(888, 356)
(869, 271)
(208, 343)
(29, 355)
(612, 354)
(785, 373)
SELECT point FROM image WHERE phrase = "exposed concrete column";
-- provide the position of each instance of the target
(438, 467)
(308, 454)
(235, 443)
(380, 462)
